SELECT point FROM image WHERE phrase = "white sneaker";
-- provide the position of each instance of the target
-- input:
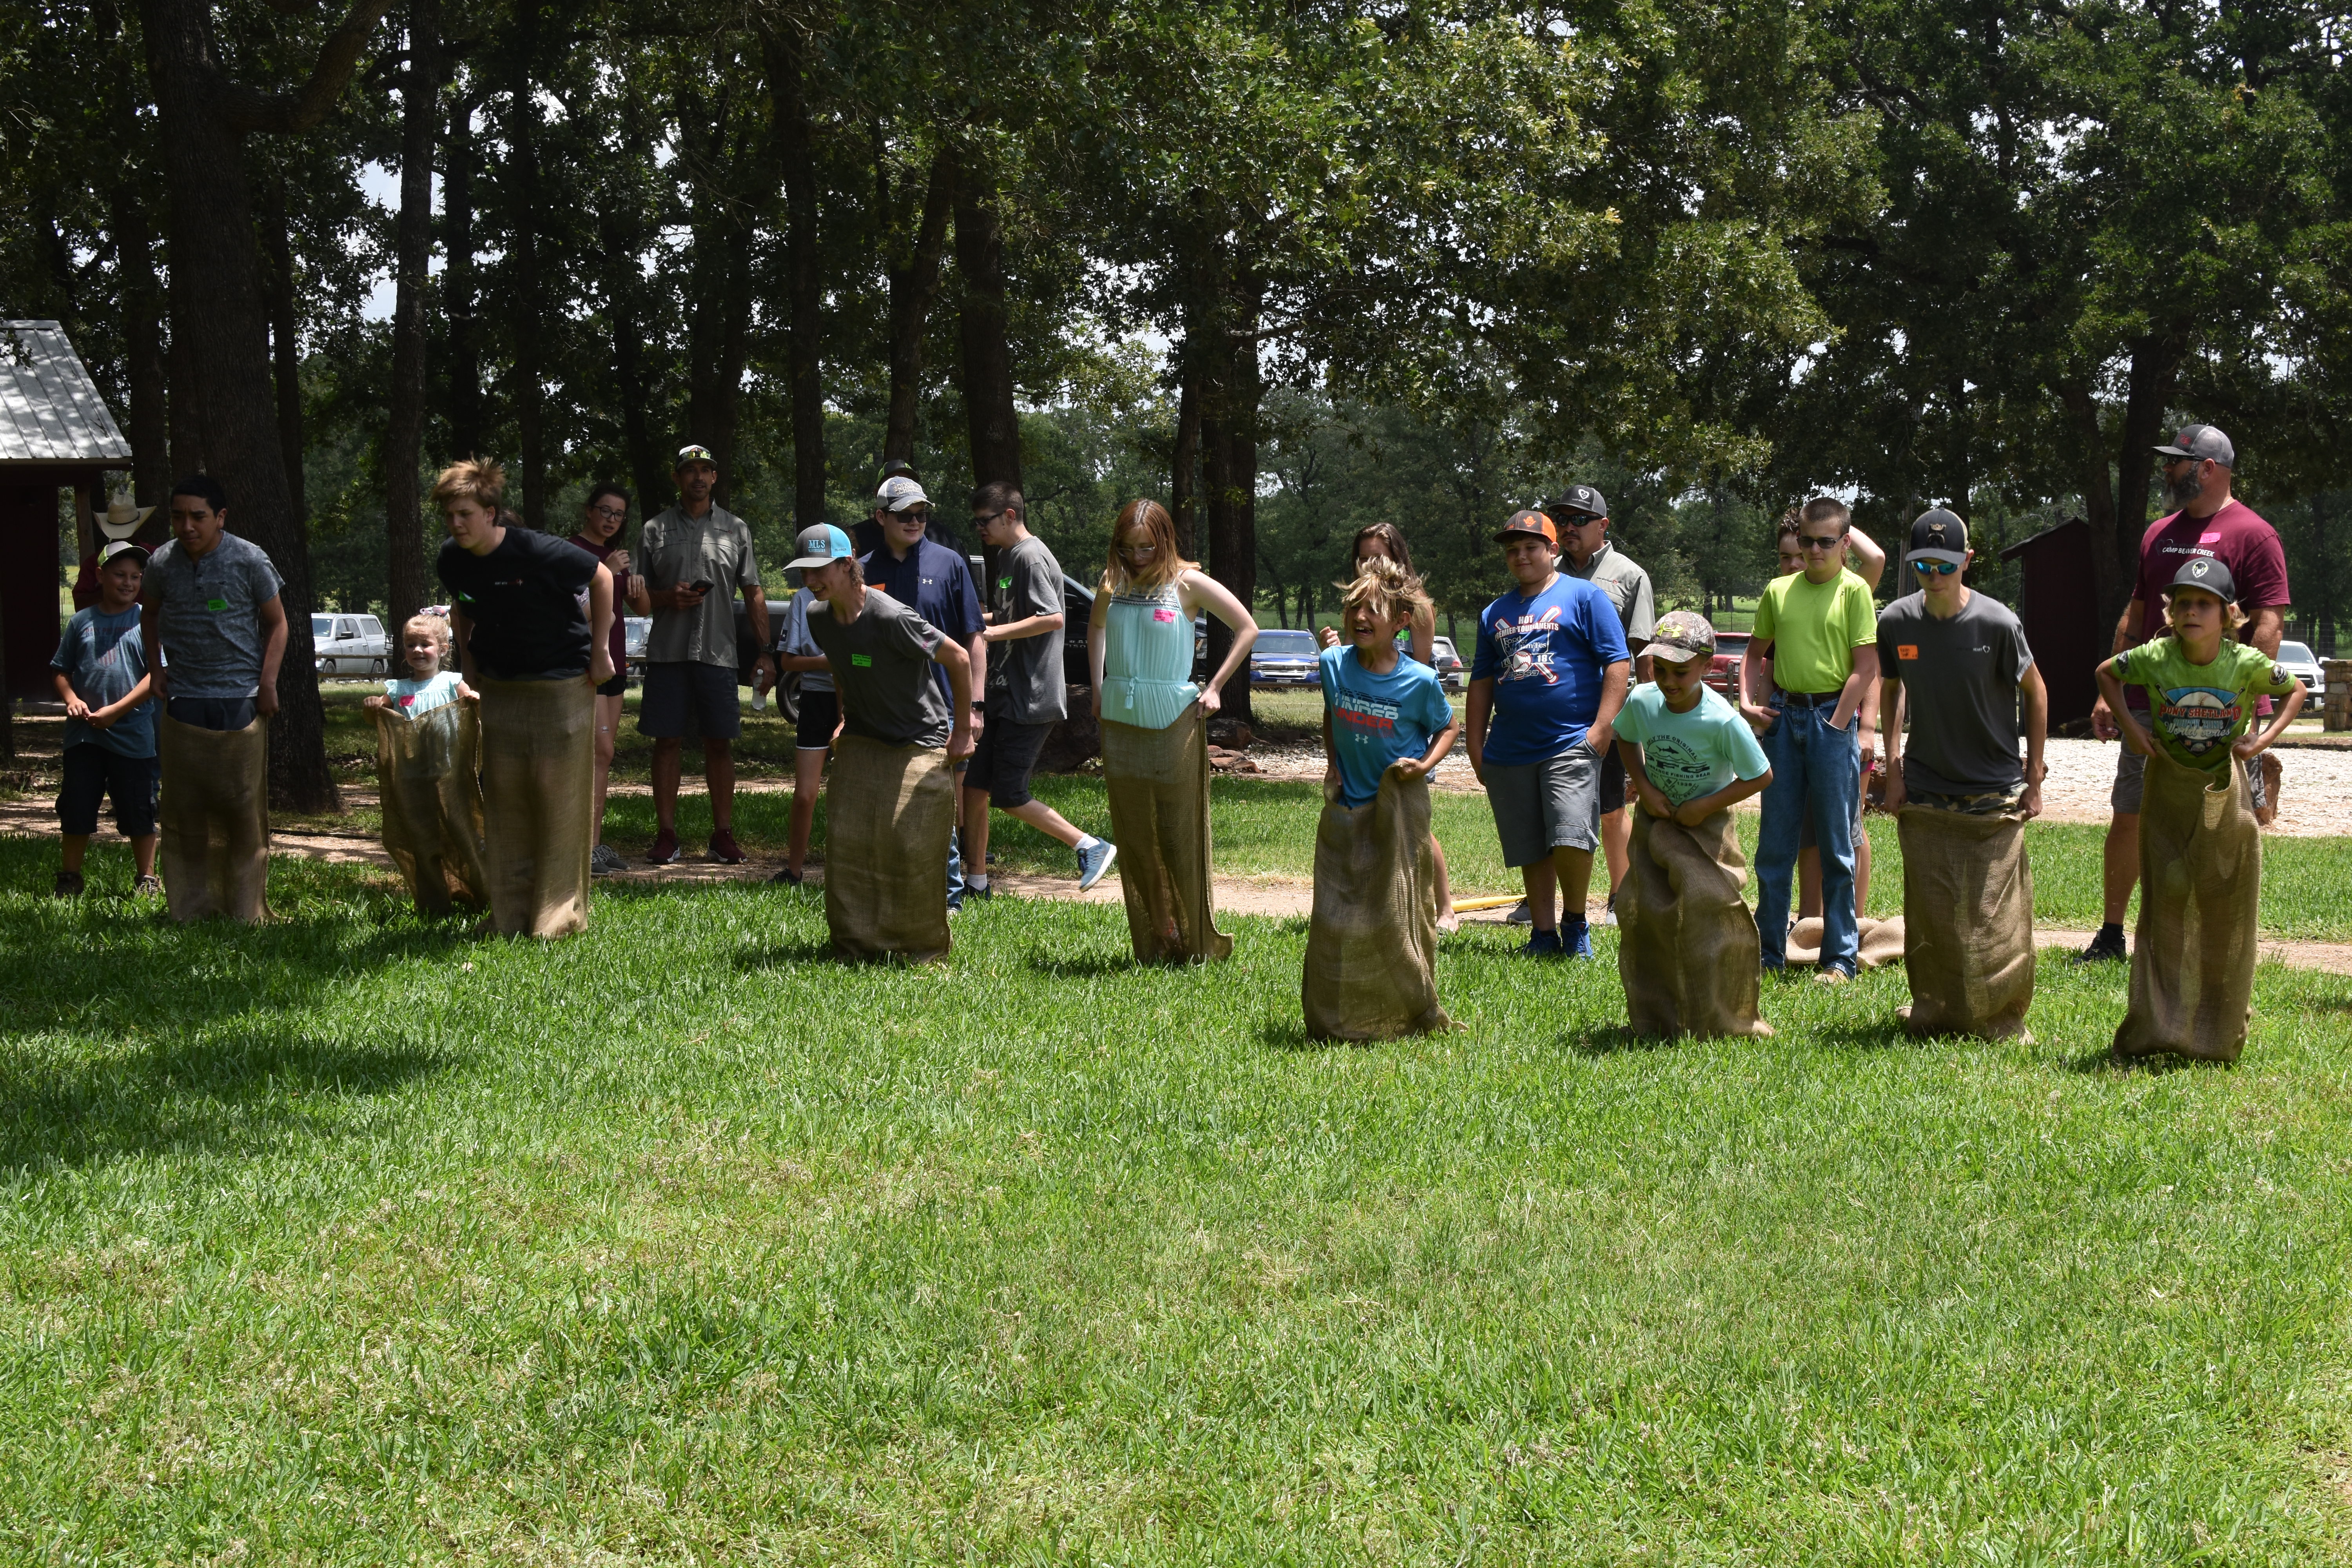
(1094, 862)
(603, 861)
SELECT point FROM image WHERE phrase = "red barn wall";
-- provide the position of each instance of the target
(29, 590)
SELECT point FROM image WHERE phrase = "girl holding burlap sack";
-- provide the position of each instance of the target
(2200, 854)
(1687, 950)
(534, 620)
(1371, 946)
(1155, 729)
(428, 772)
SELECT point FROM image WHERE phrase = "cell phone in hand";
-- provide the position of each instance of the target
(703, 586)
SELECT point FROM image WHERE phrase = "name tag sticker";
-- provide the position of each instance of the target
(2209, 539)
(863, 661)
(1163, 616)
(216, 605)
(1907, 650)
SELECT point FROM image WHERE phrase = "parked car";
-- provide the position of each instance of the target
(1284, 657)
(1723, 672)
(2298, 660)
(633, 631)
(1448, 663)
(350, 645)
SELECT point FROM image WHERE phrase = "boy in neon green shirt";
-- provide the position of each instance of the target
(1819, 629)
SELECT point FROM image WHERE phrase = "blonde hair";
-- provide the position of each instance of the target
(2234, 620)
(476, 479)
(436, 625)
(1386, 590)
(1167, 562)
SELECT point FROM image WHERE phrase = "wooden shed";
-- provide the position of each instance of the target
(2059, 607)
(54, 435)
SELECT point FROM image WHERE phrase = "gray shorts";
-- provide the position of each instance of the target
(2131, 782)
(1541, 806)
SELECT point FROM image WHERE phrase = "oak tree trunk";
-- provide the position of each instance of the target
(914, 279)
(993, 423)
(527, 386)
(795, 147)
(285, 342)
(461, 285)
(403, 435)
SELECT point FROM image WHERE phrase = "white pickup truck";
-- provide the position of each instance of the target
(350, 645)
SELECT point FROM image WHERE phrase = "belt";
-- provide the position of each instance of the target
(1809, 699)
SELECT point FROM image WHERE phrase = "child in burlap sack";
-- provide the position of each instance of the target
(1370, 972)
(1688, 953)
(2200, 854)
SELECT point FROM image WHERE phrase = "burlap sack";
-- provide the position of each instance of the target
(428, 777)
(539, 761)
(1882, 941)
(215, 818)
(1967, 922)
(1372, 944)
(888, 811)
(1157, 781)
(1687, 945)
(2201, 885)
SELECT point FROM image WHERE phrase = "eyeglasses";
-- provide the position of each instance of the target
(1939, 568)
(610, 511)
(983, 519)
(1808, 541)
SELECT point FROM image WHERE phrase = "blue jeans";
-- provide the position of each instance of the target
(1818, 769)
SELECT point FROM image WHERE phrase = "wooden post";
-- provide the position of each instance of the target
(2335, 707)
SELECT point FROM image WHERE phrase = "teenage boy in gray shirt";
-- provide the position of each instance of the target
(210, 604)
(1027, 695)
(881, 652)
(1963, 659)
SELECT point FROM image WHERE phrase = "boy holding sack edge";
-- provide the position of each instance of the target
(1370, 948)
(1962, 799)
(2201, 854)
(1687, 948)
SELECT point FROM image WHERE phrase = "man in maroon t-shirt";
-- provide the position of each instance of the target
(2211, 522)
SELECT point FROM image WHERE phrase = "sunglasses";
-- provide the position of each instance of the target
(1936, 568)
(1807, 542)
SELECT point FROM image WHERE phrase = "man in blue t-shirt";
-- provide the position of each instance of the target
(101, 673)
(1551, 672)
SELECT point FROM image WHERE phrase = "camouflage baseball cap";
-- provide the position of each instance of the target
(1681, 635)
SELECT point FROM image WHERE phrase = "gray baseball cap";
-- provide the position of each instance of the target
(2202, 442)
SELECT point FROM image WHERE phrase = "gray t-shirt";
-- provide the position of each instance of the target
(1024, 676)
(715, 547)
(1628, 588)
(1961, 678)
(208, 607)
(882, 668)
(792, 639)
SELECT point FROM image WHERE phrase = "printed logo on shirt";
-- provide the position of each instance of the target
(1369, 718)
(1004, 585)
(1525, 646)
(1907, 650)
(2200, 717)
(862, 660)
(1675, 767)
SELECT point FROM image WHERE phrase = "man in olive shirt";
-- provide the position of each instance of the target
(1587, 552)
(691, 652)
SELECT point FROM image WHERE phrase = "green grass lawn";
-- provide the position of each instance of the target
(354, 1239)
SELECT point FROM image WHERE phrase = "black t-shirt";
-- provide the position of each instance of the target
(523, 599)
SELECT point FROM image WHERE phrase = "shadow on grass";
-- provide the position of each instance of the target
(787, 955)
(2104, 1060)
(1085, 965)
(238, 1092)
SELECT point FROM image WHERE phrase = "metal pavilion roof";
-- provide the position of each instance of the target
(50, 411)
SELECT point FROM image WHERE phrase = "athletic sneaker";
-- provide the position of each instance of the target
(1094, 862)
(1520, 914)
(787, 877)
(2107, 947)
(665, 849)
(1543, 944)
(724, 850)
(971, 892)
(68, 884)
(150, 885)
(603, 861)
(1582, 947)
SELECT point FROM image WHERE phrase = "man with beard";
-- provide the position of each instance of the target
(2213, 524)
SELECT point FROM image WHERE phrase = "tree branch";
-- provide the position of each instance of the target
(249, 110)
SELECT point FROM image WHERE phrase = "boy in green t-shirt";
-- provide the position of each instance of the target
(2201, 682)
(1820, 631)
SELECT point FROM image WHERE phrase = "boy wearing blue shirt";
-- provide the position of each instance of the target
(1380, 708)
(1552, 672)
(100, 671)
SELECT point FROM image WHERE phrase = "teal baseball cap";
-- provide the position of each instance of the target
(821, 545)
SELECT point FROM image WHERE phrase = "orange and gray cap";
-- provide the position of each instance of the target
(1528, 520)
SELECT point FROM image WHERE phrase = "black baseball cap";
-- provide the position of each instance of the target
(1939, 535)
(2204, 572)
(1579, 503)
(2202, 442)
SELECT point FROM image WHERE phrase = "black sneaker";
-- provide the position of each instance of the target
(787, 877)
(68, 884)
(971, 894)
(2107, 947)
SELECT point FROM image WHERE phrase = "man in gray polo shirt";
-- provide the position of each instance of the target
(211, 599)
(1585, 552)
(685, 554)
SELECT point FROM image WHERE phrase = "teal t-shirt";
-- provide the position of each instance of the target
(1377, 719)
(2198, 709)
(1690, 754)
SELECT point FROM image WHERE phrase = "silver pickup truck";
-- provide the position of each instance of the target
(350, 645)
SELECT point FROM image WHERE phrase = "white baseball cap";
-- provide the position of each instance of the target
(899, 492)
